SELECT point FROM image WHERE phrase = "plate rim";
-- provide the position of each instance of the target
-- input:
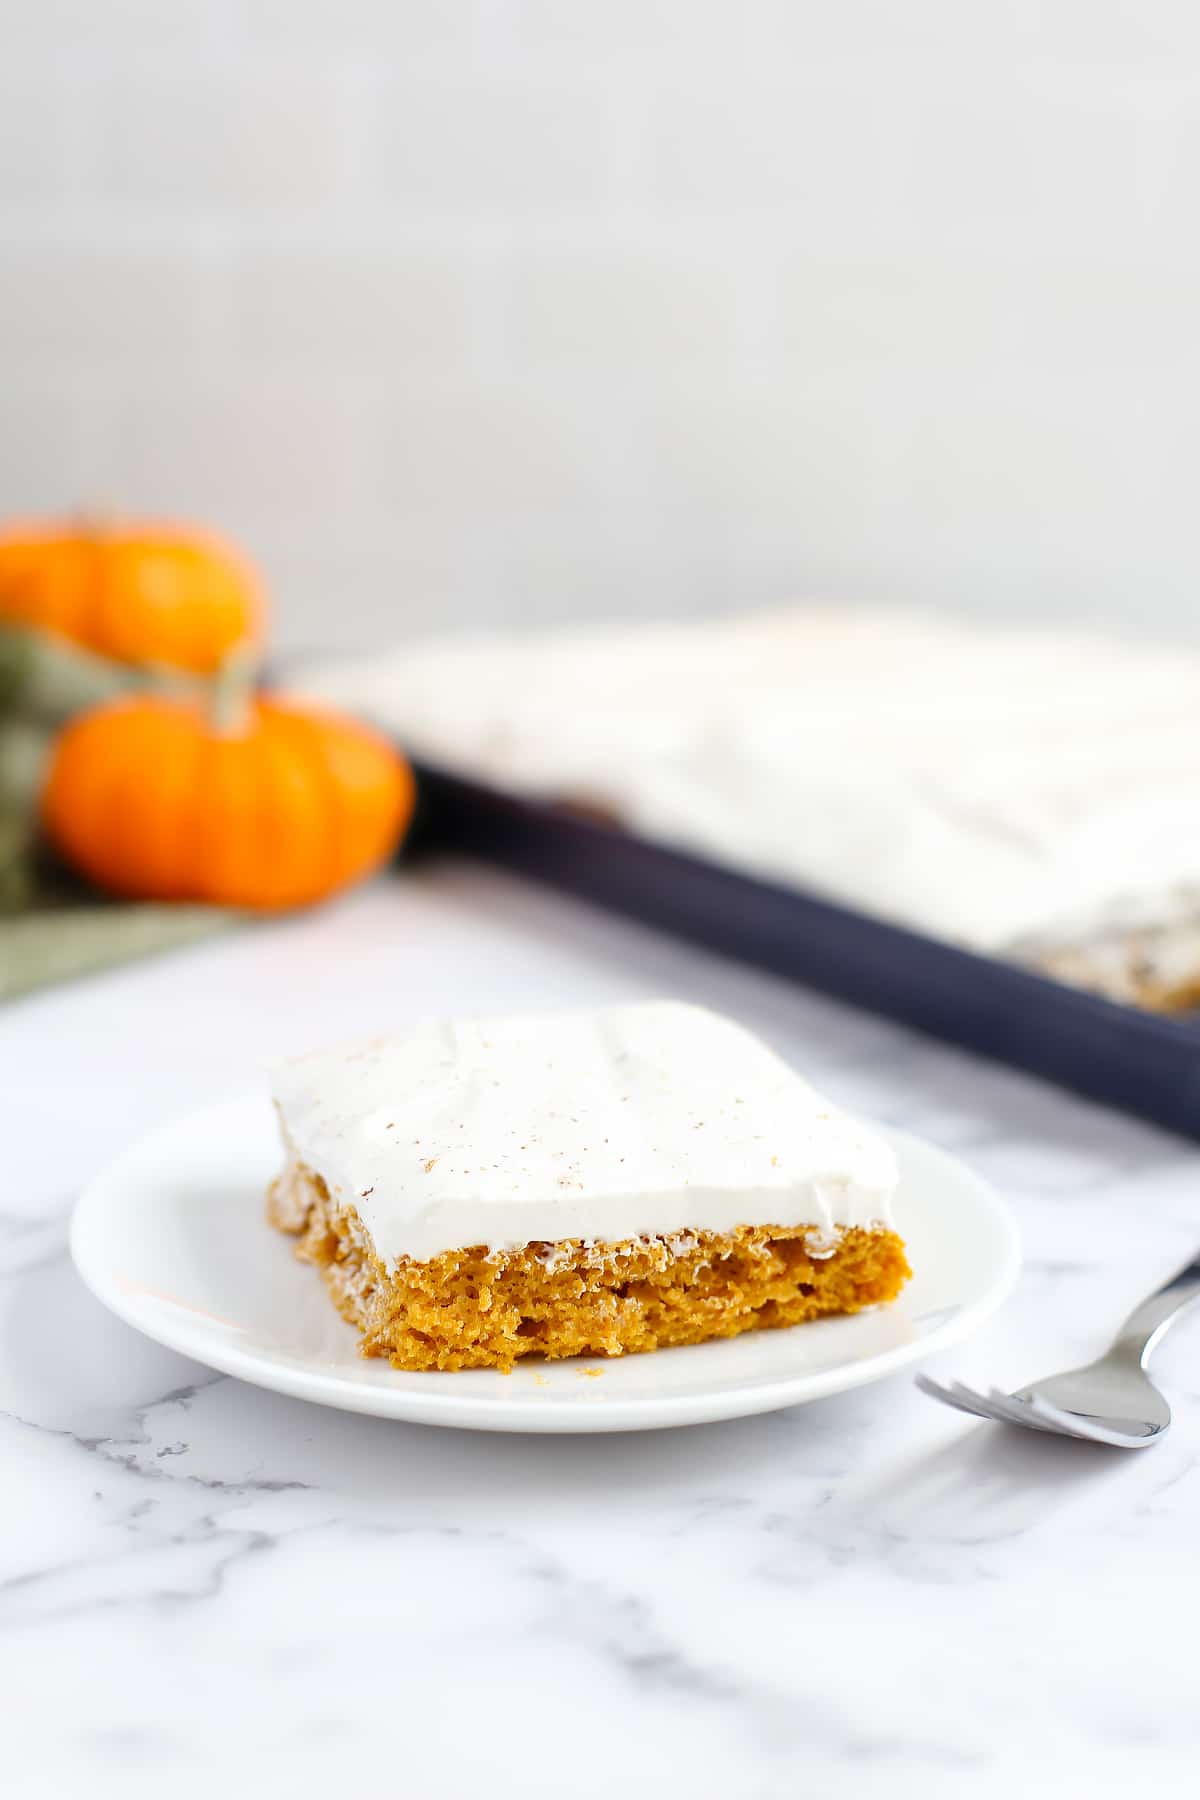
(544, 1416)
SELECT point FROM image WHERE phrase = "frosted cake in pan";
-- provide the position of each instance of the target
(1028, 792)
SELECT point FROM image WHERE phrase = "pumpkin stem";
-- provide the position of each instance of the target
(233, 691)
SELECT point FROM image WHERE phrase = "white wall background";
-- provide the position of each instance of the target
(473, 309)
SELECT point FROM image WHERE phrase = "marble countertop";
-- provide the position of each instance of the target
(203, 1584)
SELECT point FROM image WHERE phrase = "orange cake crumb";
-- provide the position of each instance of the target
(476, 1308)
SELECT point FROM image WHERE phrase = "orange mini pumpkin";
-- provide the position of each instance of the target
(139, 595)
(263, 805)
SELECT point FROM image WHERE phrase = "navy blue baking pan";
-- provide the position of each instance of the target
(1141, 1062)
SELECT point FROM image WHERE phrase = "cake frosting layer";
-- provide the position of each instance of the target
(631, 1121)
(999, 786)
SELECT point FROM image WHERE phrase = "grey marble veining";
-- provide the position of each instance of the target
(203, 1584)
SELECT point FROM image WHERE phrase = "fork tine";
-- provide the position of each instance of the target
(1014, 1412)
(983, 1404)
(956, 1395)
(938, 1390)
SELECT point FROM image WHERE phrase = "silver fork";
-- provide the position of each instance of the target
(1111, 1401)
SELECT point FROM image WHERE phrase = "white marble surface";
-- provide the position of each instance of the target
(203, 1585)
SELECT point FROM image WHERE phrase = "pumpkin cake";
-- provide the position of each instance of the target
(571, 1184)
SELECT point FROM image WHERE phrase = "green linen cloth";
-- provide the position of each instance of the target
(54, 943)
(52, 926)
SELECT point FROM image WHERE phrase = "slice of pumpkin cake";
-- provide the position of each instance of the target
(586, 1183)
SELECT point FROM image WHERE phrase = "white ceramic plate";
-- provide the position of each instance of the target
(173, 1238)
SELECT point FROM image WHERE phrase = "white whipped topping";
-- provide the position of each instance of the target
(633, 1121)
(987, 784)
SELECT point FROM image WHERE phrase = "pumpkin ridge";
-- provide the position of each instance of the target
(125, 829)
(286, 788)
(302, 737)
(92, 849)
(163, 791)
(224, 778)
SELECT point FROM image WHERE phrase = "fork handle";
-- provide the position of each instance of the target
(1147, 1324)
